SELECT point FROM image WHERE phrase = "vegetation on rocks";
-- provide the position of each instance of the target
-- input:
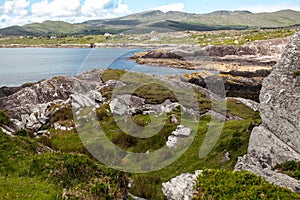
(240, 37)
(296, 73)
(222, 184)
(4, 118)
(290, 168)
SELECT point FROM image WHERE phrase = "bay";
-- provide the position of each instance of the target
(22, 65)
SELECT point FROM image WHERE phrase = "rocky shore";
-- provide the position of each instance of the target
(254, 56)
(242, 84)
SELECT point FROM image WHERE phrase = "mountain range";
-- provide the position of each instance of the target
(148, 21)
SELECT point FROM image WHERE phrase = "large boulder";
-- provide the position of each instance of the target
(277, 140)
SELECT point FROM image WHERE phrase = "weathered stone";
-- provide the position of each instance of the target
(277, 140)
(172, 141)
(173, 119)
(182, 131)
(118, 107)
(179, 134)
(181, 187)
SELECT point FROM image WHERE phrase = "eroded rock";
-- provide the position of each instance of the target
(277, 140)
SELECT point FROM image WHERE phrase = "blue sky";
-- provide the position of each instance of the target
(19, 12)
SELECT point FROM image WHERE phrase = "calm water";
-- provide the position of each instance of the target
(18, 66)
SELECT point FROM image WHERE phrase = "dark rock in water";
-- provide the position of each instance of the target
(157, 54)
(277, 140)
(248, 74)
(242, 84)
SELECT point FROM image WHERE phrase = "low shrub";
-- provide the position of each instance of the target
(222, 184)
(291, 168)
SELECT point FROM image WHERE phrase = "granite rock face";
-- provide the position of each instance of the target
(277, 140)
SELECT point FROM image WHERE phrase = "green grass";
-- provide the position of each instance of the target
(64, 141)
(26, 175)
(4, 118)
(204, 38)
(234, 138)
(222, 184)
(241, 37)
(290, 168)
(86, 178)
(13, 187)
(45, 40)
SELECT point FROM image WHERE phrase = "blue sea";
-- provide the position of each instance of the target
(22, 65)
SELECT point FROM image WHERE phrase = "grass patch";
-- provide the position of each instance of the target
(240, 37)
(26, 175)
(4, 118)
(13, 187)
(222, 184)
(63, 115)
(65, 141)
(190, 161)
(112, 74)
(291, 168)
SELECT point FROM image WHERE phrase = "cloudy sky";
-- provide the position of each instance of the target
(19, 12)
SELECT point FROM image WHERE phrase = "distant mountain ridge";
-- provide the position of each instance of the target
(148, 21)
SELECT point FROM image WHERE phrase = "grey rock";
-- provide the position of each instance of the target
(277, 140)
(182, 131)
(172, 141)
(226, 157)
(118, 107)
(181, 187)
(179, 134)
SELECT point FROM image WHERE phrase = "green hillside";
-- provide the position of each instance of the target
(54, 27)
(148, 21)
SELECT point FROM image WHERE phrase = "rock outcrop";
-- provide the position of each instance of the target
(277, 140)
(181, 187)
(241, 84)
(253, 56)
(32, 106)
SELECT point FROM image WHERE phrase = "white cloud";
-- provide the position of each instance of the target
(121, 9)
(96, 8)
(170, 7)
(15, 7)
(56, 8)
(270, 7)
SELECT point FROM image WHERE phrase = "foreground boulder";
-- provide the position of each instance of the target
(277, 140)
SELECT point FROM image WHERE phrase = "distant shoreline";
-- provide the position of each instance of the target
(102, 45)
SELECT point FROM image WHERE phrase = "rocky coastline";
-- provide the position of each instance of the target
(36, 106)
